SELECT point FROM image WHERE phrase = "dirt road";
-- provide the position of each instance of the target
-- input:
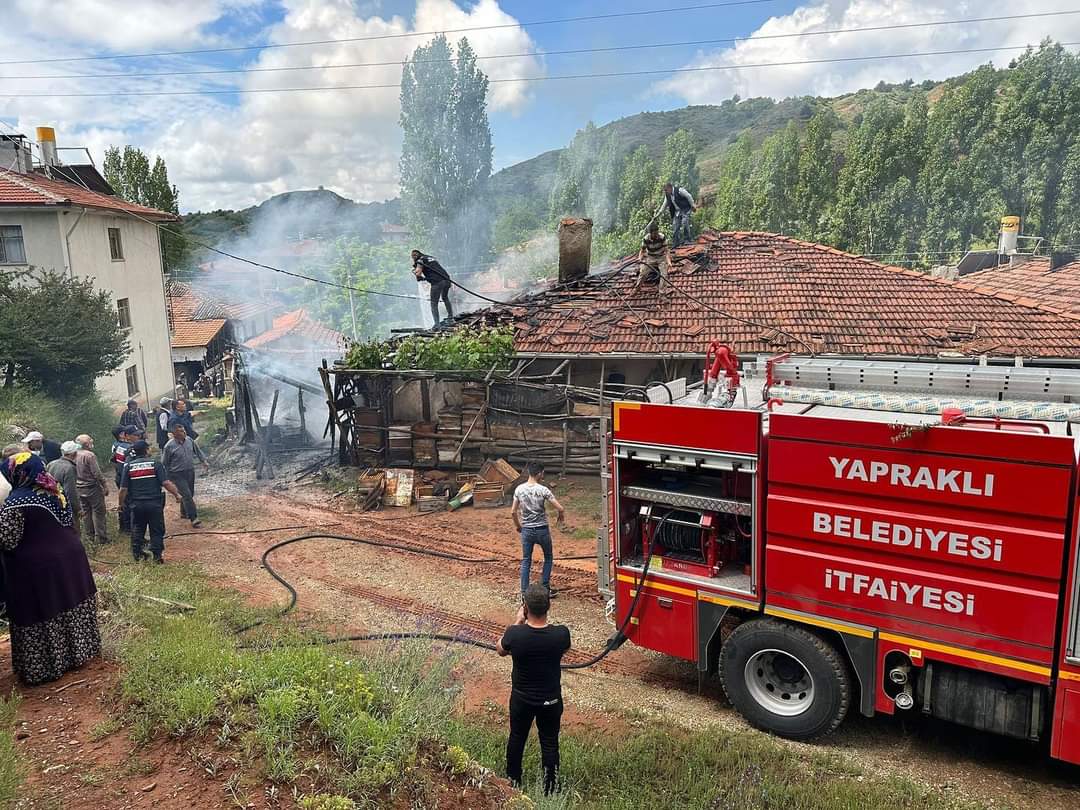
(359, 588)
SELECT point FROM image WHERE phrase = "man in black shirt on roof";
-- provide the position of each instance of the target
(428, 269)
(537, 649)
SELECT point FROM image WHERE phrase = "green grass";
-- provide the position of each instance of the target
(356, 725)
(712, 769)
(210, 420)
(333, 726)
(12, 767)
(59, 420)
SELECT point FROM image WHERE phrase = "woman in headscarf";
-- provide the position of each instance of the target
(50, 592)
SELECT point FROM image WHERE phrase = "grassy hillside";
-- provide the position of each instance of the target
(528, 185)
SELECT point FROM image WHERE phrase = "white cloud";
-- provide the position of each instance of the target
(133, 24)
(231, 156)
(833, 78)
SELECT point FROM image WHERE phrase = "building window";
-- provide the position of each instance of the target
(116, 247)
(11, 245)
(123, 313)
(132, 375)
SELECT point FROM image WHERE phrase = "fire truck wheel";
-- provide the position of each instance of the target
(784, 679)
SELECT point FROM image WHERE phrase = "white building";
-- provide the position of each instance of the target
(54, 224)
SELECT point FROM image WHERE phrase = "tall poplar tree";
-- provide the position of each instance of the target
(133, 178)
(446, 151)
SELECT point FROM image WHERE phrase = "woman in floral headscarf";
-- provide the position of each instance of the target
(50, 592)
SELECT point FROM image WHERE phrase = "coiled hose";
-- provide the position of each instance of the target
(612, 644)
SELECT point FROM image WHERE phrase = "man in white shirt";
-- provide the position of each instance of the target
(530, 518)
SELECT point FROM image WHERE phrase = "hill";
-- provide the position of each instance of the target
(294, 215)
(914, 173)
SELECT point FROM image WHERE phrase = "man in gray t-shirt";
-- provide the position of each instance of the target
(530, 518)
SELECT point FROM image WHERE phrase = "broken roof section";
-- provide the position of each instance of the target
(762, 293)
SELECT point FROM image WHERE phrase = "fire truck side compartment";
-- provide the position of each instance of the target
(941, 546)
(983, 701)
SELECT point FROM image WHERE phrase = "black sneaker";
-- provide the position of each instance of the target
(552, 593)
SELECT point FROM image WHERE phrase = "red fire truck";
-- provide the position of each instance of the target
(860, 538)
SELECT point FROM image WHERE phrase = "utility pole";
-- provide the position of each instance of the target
(352, 305)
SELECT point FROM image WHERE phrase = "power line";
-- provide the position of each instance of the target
(609, 75)
(374, 37)
(523, 54)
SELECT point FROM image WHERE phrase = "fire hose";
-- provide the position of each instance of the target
(610, 646)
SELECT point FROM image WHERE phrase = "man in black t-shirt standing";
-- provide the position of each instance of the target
(537, 649)
(427, 268)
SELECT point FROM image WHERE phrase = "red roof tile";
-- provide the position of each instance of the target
(1057, 290)
(297, 324)
(763, 293)
(182, 302)
(34, 190)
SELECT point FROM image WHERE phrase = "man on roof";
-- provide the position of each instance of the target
(427, 268)
(653, 256)
(679, 204)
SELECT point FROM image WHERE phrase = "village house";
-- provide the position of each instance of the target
(65, 219)
(204, 327)
(1048, 282)
(297, 341)
(764, 294)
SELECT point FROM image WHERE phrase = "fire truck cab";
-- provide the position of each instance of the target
(874, 536)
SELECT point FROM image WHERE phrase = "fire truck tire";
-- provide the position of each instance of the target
(784, 679)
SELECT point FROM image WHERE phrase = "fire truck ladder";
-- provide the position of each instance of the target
(1007, 392)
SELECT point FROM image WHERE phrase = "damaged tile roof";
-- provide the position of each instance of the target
(764, 293)
(187, 330)
(1057, 290)
(34, 190)
(298, 324)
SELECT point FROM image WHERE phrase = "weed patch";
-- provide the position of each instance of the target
(712, 770)
(298, 711)
(12, 768)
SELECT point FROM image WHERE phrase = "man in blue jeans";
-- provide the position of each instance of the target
(530, 518)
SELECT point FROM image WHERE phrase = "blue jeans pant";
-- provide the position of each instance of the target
(533, 536)
(680, 225)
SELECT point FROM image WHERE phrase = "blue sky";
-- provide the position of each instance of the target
(234, 150)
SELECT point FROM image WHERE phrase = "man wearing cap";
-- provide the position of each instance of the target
(162, 417)
(141, 492)
(92, 488)
(134, 416)
(121, 452)
(63, 470)
(40, 446)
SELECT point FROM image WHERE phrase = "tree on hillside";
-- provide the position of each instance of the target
(815, 188)
(130, 174)
(1038, 120)
(84, 339)
(446, 149)
(774, 180)
(587, 178)
(876, 187)
(634, 205)
(355, 263)
(679, 163)
(731, 203)
(959, 180)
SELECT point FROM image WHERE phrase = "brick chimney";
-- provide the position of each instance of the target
(575, 249)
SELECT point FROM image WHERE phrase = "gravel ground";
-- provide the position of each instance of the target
(643, 687)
